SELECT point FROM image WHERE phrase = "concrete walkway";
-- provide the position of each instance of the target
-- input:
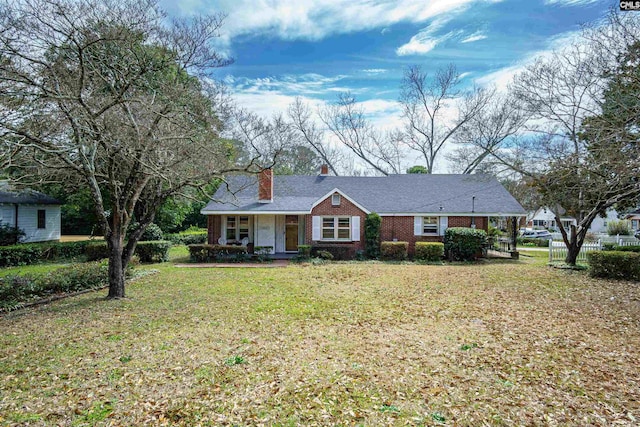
(274, 264)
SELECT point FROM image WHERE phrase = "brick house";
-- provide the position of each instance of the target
(286, 211)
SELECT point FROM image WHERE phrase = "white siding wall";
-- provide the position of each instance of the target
(280, 233)
(7, 214)
(28, 222)
(599, 224)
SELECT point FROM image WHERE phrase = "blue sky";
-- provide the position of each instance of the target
(315, 49)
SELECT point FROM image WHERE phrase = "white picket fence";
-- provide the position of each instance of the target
(558, 250)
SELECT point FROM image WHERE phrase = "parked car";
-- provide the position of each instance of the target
(637, 234)
(537, 234)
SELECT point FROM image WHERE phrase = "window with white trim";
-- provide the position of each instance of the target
(336, 228)
(429, 225)
(335, 199)
(237, 227)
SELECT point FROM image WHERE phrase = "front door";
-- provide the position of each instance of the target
(291, 233)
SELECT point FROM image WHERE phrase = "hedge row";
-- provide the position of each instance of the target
(16, 290)
(614, 264)
(394, 251)
(151, 251)
(429, 251)
(464, 244)
(527, 241)
(338, 252)
(632, 248)
(212, 253)
(31, 253)
(187, 238)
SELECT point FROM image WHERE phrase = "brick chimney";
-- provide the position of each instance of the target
(324, 170)
(265, 186)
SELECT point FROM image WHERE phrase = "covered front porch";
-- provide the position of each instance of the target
(275, 234)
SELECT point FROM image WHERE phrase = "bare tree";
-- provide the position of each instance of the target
(567, 97)
(346, 119)
(103, 94)
(303, 121)
(485, 134)
(428, 107)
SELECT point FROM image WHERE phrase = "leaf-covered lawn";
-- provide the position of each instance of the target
(498, 343)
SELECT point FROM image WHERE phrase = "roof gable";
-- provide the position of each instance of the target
(337, 190)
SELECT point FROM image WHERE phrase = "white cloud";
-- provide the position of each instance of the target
(313, 20)
(502, 77)
(478, 35)
(423, 42)
(272, 96)
(374, 70)
(572, 2)
(309, 84)
(419, 44)
(383, 114)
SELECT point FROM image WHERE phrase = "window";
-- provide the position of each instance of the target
(336, 228)
(243, 230)
(335, 200)
(237, 228)
(430, 225)
(42, 218)
(231, 228)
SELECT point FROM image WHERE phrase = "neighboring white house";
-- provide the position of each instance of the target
(545, 218)
(634, 217)
(599, 225)
(35, 213)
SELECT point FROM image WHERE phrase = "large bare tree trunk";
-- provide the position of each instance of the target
(116, 267)
(572, 254)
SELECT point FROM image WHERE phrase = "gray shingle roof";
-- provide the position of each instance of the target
(394, 194)
(26, 197)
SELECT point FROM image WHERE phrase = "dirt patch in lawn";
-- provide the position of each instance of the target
(371, 344)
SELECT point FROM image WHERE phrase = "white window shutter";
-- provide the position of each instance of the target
(355, 228)
(444, 224)
(417, 226)
(316, 232)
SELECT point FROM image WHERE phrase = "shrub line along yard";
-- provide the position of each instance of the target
(495, 342)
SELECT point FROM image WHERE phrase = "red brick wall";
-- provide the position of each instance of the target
(465, 221)
(325, 208)
(401, 228)
(213, 228)
(398, 227)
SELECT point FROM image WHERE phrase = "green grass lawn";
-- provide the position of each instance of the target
(497, 343)
(34, 269)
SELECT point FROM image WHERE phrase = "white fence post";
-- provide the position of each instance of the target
(550, 250)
